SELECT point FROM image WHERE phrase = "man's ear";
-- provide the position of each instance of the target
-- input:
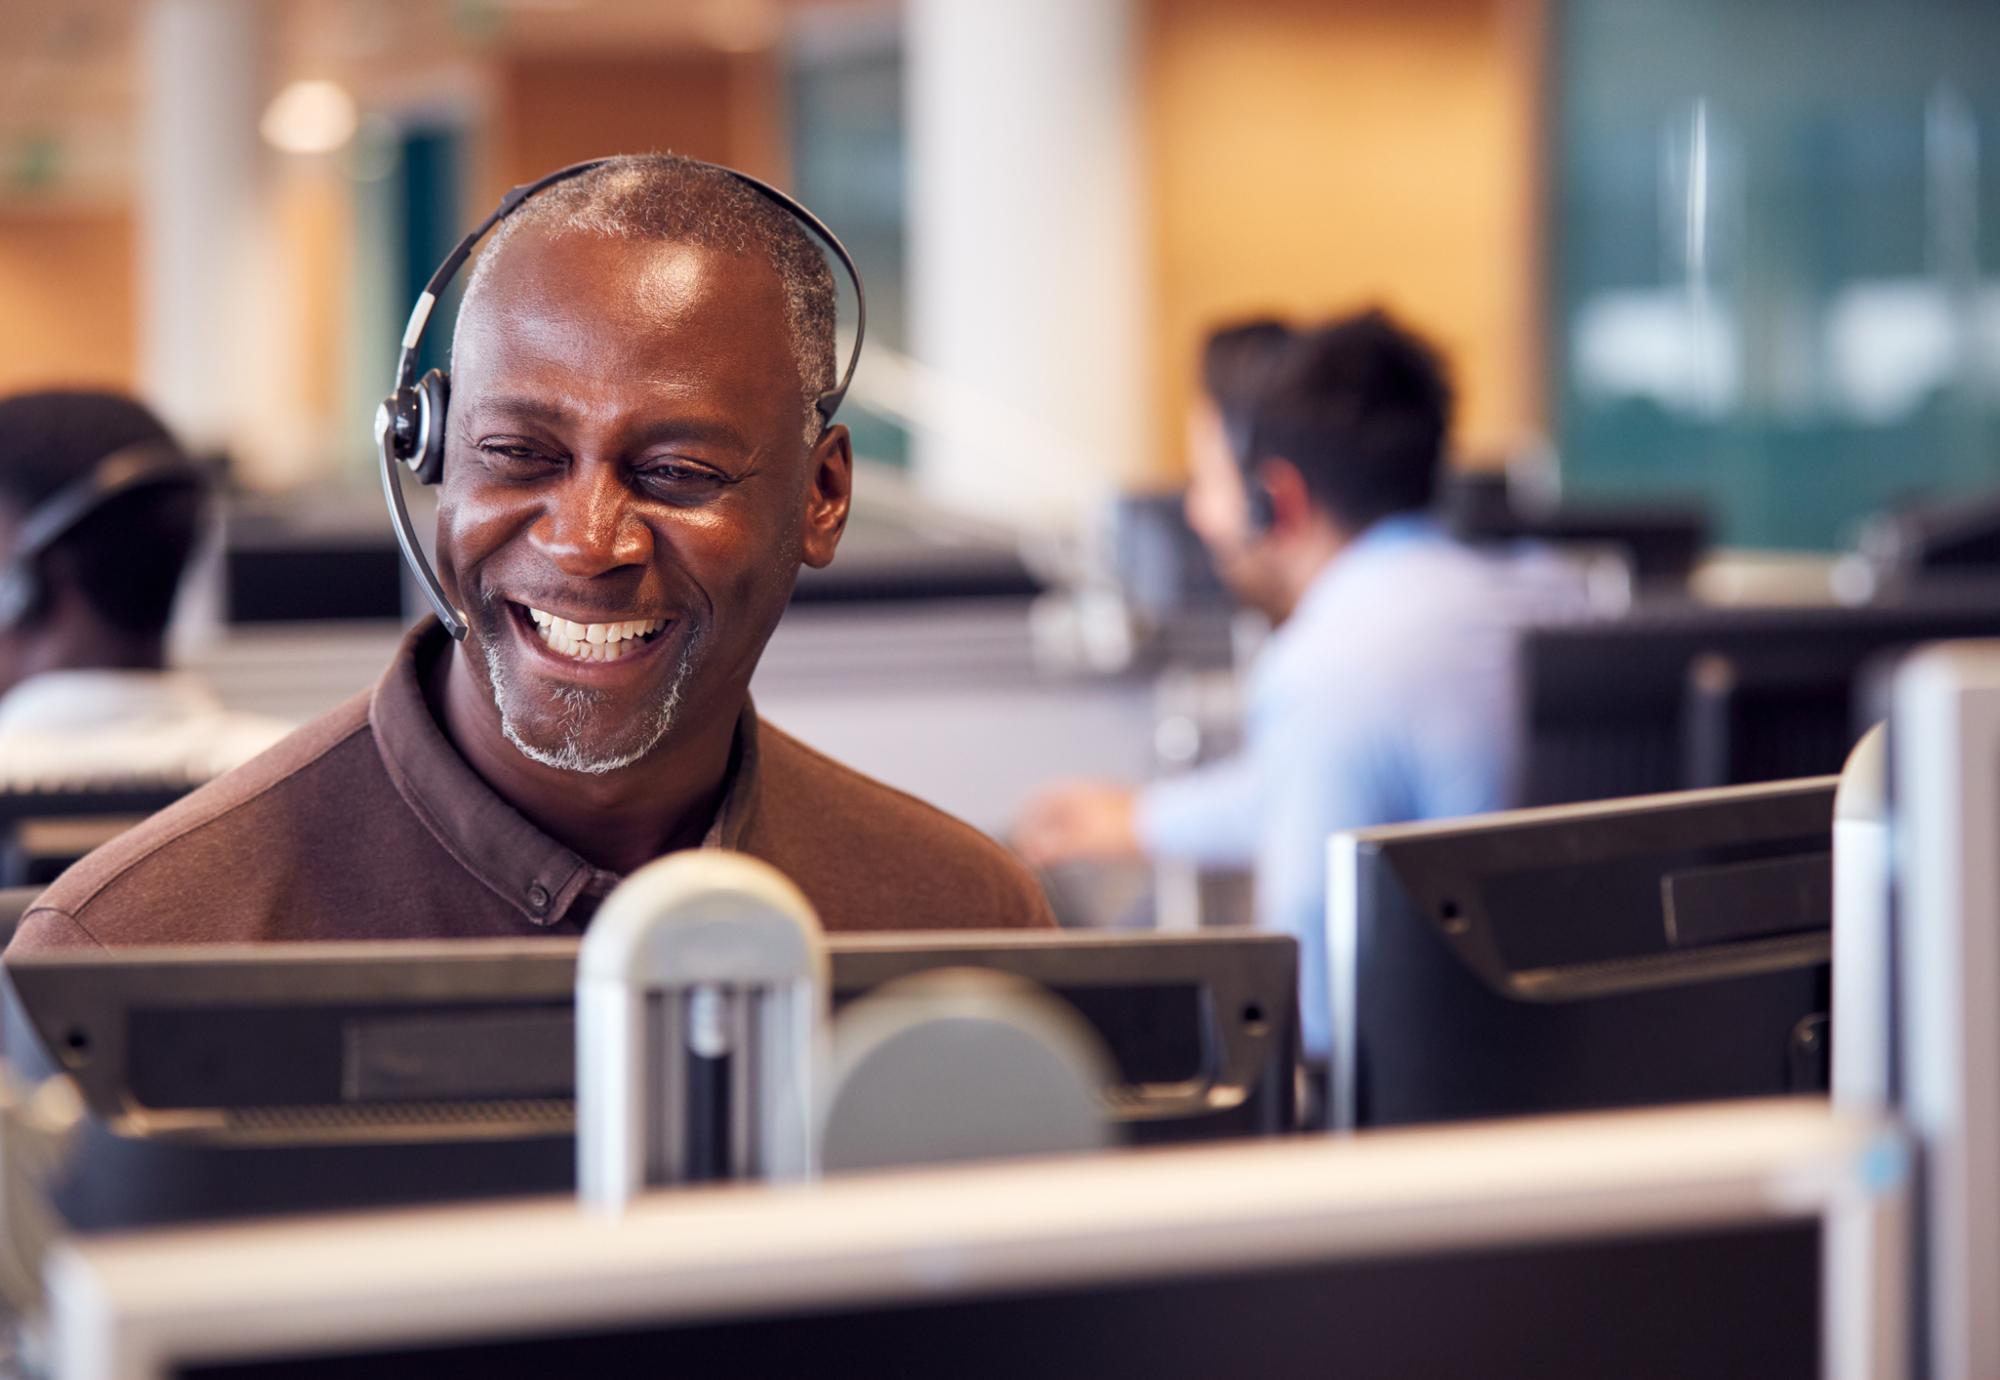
(829, 490)
(1291, 500)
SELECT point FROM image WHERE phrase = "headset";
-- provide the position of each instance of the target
(1239, 433)
(410, 423)
(142, 466)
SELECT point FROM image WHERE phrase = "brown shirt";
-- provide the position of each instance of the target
(367, 824)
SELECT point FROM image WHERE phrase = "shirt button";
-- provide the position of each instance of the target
(538, 898)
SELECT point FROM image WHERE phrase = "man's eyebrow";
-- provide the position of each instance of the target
(713, 431)
(700, 430)
(524, 408)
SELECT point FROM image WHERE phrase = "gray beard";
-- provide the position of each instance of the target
(571, 754)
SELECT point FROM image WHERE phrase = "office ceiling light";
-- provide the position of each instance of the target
(310, 117)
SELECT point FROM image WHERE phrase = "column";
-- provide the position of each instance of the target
(1027, 235)
(218, 346)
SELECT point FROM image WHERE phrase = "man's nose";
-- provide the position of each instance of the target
(591, 527)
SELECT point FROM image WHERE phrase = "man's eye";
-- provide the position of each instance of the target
(509, 457)
(680, 476)
(513, 455)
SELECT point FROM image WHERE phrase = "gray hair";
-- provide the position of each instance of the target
(663, 196)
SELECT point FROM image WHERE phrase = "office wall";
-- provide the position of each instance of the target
(314, 214)
(1778, 292)
(1313, 155)
(1302, 155)
(66, 285)
(552, 110)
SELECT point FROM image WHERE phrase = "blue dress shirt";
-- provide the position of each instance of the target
(1388, 695)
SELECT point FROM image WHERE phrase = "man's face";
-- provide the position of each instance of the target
(1217, 508)
(627, 493)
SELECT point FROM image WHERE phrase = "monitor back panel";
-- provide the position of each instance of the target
(292, 1077)
(1666, 951)
(44, 827)
(1738, 1302)
(1619, 707)
(1438, 1044)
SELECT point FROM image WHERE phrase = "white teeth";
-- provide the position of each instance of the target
(593, 641)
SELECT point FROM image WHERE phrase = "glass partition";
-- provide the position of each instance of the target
(1775, 230)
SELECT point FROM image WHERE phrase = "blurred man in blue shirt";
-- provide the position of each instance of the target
(1386, 691)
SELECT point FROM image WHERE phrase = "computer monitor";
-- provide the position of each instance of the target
(1944, 830)
(283, 1077)
(311, 558)
(1932, 541)
(1660, 542)
(1679, 696)
(1757, 715)
(1160, 562)
(1750, 1240)
(1664, 949)
(313, 581)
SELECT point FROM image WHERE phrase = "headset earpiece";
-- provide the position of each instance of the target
(410, 426)
(1239, 433)
(433, 400)
(396, 425)
(1257, 508)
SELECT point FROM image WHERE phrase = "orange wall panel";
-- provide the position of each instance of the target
(1313, 156)
(313, 218)
(724, 108)
(66, 288)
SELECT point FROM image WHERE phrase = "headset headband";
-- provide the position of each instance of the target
(117, 474)
(55, 517)
(409, 425)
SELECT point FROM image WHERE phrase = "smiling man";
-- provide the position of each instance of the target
(634, 473)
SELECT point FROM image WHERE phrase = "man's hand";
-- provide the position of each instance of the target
(1078, 820)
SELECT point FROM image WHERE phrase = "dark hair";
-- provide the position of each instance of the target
(127, 557)
(1362, 407)
(1236, 361)
(664, 196)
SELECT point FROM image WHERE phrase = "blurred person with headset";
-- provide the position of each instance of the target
(1385, 692)
(100, 512)
(1207, 817)
(635, 454)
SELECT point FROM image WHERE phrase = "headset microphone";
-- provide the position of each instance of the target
(410, 423)
(1239, 432)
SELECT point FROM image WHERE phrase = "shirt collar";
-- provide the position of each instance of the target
(1398, 529)
(58, 700)
(1390, 534)
(490, 838)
